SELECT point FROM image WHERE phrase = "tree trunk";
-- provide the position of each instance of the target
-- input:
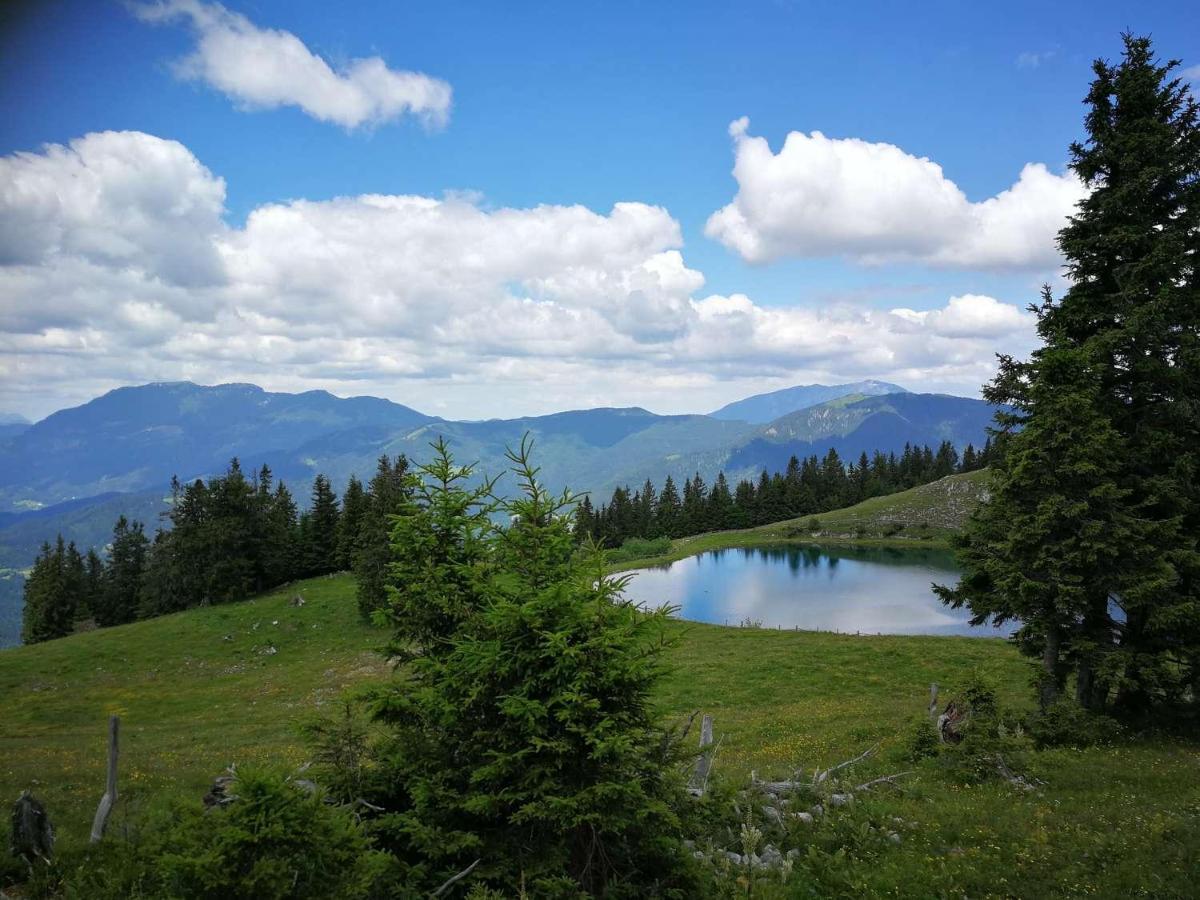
(1051, 680)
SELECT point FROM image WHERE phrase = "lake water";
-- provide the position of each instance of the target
(853, 590)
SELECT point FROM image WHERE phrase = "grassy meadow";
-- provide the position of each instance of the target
(199, 690)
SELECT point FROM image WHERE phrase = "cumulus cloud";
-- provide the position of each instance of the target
(875, 203)
(263, 68)
(127, 272)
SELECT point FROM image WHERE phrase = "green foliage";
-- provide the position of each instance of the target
(920, 739)
(1067, 724)
(387, 494)
(55, 589)
(640, 548)
(1096, 499)
(275, 840)
(522, 727)
(341, 750)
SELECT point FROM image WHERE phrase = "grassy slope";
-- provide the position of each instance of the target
(1109, 821)
(926, 515)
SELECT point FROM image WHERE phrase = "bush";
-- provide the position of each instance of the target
(275, 840)
(640, 548)
(921, 739)
(1067, 724)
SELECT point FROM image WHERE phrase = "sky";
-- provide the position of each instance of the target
(503, 209)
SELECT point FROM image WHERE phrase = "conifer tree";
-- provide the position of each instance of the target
(666, 514)
(1131, 317)
(524, 731)
(354, 505)
(319, 530)
(387, 494)
(50, 595)
(118, 602)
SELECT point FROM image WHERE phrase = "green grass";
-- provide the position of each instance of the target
(199, 690)
(193, 701)
(924, 516)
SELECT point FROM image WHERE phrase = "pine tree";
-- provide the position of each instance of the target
(120, 595)
(666, 515)
(319, 530)
(354, 505)
(524, 732)
(50, 602)
(1131, 319)
(388, 494)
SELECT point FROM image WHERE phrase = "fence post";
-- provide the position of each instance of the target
(110, 794)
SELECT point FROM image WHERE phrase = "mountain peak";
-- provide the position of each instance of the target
(762, 408)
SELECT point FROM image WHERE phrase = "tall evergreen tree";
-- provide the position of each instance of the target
(387, 495)
(319, 530)
(666, 514)
(1131, 319)
(354, 505)
(119, 597)
(50, 596)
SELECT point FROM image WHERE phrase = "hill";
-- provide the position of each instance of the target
(854, 424)
(200, 690)
(762, 408)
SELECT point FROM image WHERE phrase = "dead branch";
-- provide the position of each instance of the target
(821, 777)
(887, 779)
(1018, 781)
(454, 879)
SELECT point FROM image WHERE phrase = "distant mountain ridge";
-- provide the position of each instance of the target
(763, 408)
(78, 469)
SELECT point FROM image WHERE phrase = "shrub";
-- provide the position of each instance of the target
(522, 727)
(813, 524)
(920, 740)
(275, 840)
(1067, 724)
(640, 548)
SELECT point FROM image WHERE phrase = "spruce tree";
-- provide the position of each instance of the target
(354, 505)
(387, 494)
(49, 610)
(1131, 320)
(666, 514)
(119, 598)
(320, 531)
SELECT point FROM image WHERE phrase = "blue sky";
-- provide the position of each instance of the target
(554, 105)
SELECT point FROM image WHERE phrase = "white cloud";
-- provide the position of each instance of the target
(263, 68)
(874, 203)
(427, 301)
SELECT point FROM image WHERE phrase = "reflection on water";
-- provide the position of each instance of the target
(863, 590)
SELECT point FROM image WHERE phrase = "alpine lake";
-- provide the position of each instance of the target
(850, 590)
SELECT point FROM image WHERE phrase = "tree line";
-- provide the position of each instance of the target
(228, 537)
(805, 487)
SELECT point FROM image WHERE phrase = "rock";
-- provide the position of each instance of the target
(269, 650)
(771, 857)
(794, 853)
(893, 837)
(817, 810)
(841, 799)
(772, 814)
(297, 600)
(806, 818)
(735, 858)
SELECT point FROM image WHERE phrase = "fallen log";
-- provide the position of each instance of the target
(821, 777)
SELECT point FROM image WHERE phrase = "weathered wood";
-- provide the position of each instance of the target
(32, 833)
(821, 777)
(454, 879)
(704, 761)
(933, 692)
(110, 794)
(886, 779)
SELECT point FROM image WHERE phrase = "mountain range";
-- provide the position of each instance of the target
(79, 468)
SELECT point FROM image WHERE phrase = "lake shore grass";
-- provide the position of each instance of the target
(924, 517)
